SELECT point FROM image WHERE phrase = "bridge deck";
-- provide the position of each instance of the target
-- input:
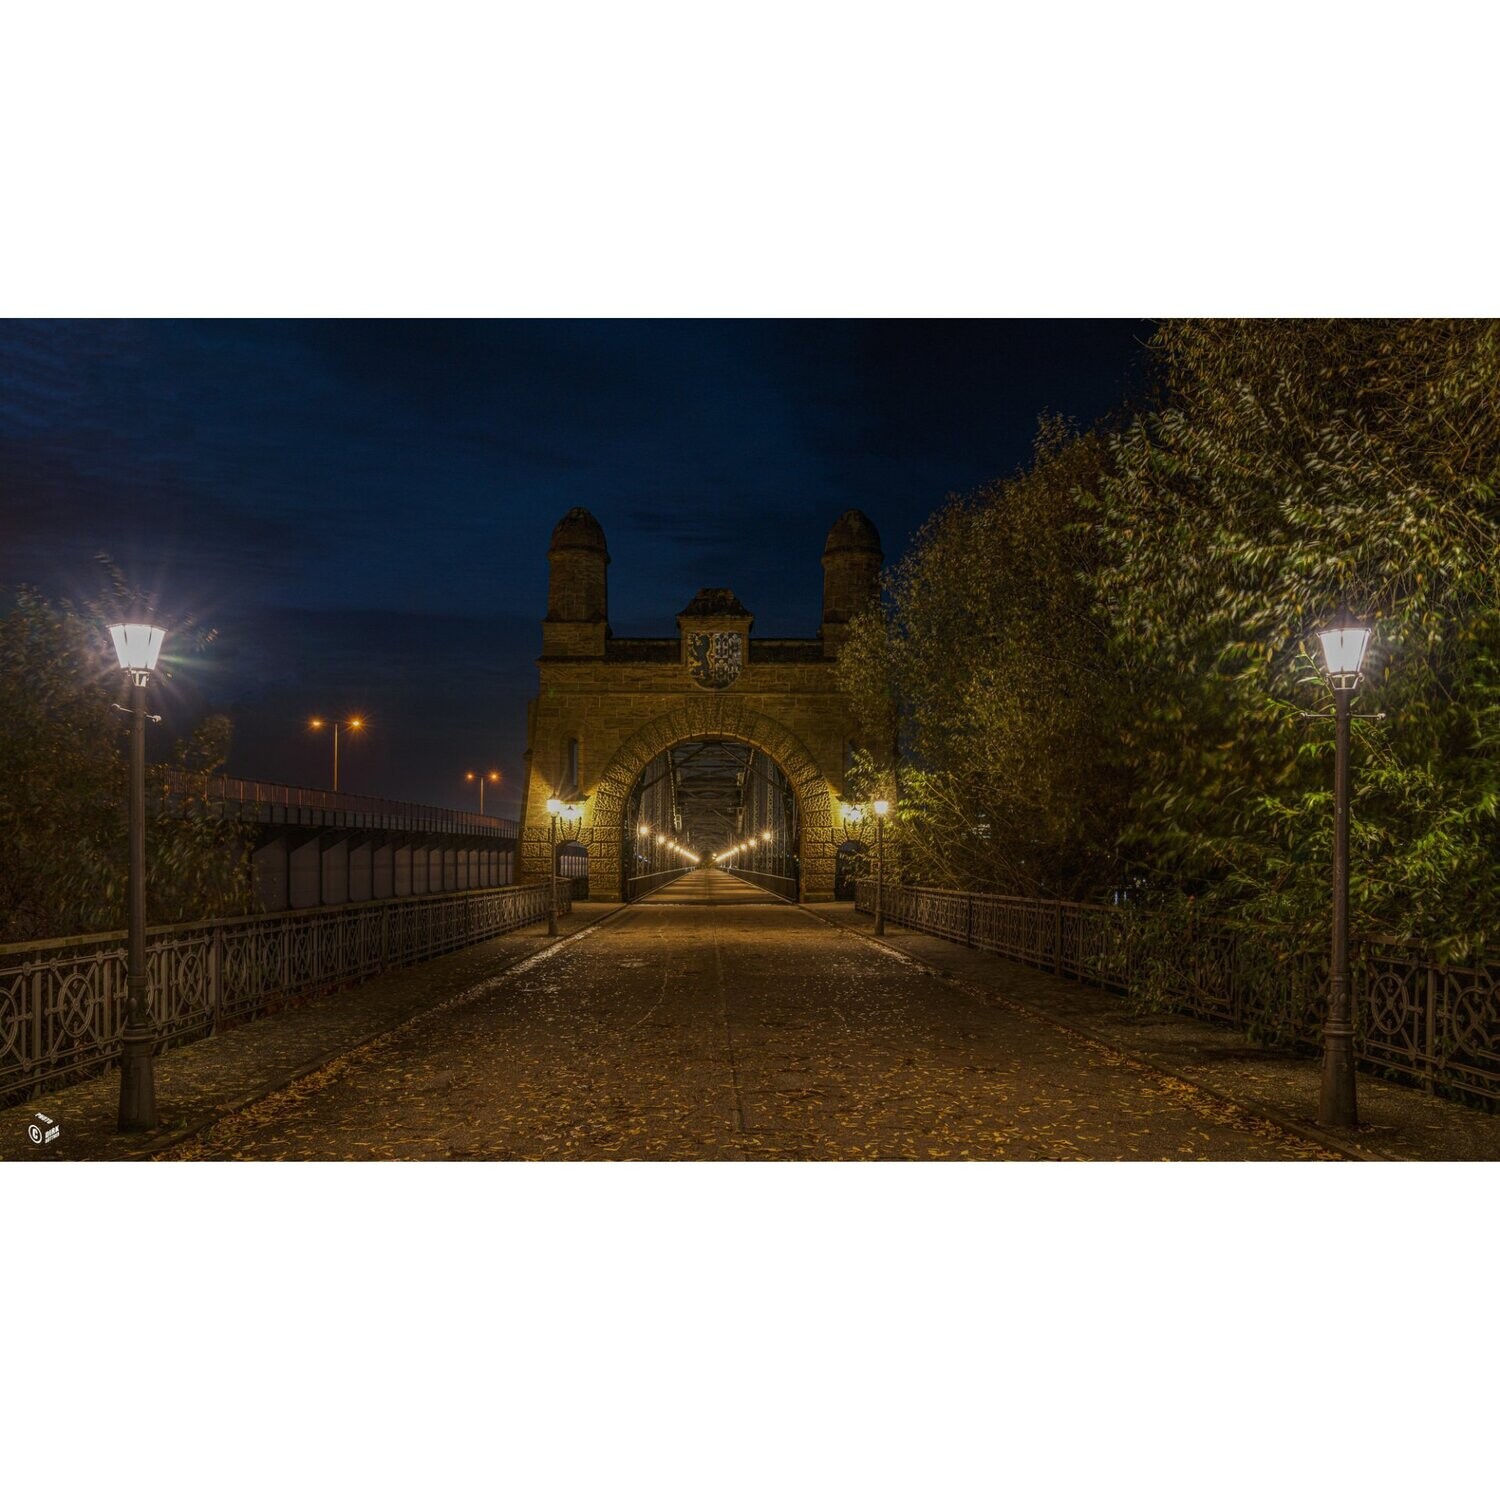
(713, 1021)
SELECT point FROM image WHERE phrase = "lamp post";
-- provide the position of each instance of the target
(568, 812)
(138, 648)
(554, 809)
(352, 725)
(493, 777)
(1344, 641)
(881, 807)
(852, 816)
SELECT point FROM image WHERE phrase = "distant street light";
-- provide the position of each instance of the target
(1344, 641)
(138, 648)
(352, 725)
(493, 777)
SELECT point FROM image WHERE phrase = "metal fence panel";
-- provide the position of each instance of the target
(1420, 1021)
(778, 885)
(62, 1003)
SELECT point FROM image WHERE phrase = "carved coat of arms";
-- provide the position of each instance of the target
(715, 657)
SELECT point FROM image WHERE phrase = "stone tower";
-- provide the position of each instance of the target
(852, 561)
(577, 620)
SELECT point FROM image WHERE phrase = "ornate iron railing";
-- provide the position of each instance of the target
(1424, 1022)
(272, 802)
(62, 1002)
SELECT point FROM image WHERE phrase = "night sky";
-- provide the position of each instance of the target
(362, 509)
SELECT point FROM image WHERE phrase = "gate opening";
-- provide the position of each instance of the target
(707, 803)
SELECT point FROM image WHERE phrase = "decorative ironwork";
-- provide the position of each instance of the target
(1422, 1022)
(62, 1003)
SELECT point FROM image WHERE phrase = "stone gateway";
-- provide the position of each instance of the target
(609, 708)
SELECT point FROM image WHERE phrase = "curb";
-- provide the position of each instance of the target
(157, 1146)
(1315, 1134)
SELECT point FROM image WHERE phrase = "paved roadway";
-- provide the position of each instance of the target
(712, 1021)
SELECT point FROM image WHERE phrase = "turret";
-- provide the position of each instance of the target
(852, 561)
(577, 622)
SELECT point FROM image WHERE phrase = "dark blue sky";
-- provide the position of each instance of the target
(362, 508)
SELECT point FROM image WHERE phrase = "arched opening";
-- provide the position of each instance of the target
(705, 717)
(573, 868)
(851, 861)
(714, 800)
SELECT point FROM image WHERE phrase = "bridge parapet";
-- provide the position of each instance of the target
(274, 802)
(62, 1002)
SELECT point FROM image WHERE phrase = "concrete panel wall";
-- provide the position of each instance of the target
(335, 872)
(361, 870)
(296, 869)
(305, 884)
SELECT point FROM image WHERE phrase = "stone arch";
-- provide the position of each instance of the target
(710, 717)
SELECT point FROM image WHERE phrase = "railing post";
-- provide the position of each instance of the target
(1057, 937)
(1429, 1032)
(38, 991)
(969, 921)
(216, 977)
(1235, 987)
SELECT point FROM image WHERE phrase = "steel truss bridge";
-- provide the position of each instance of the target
(713, 797)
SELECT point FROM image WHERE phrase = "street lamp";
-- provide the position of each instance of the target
(881, 807)
(138, 648)
(1344, 640)
(852, 816)
(352, 725)
(493, 777)
(568, 812)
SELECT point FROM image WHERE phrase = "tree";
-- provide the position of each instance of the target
(1098, 672)
(990, 669)
(63, 786)
(1294, 466)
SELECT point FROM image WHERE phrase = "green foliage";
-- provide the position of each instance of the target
(990, 675)
(1098, 672)
(64, 782)
(1295, 465)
